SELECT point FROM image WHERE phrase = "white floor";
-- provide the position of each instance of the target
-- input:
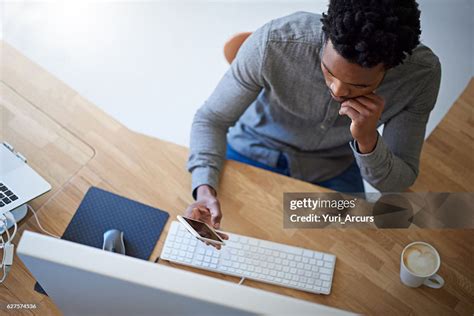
(152, 64)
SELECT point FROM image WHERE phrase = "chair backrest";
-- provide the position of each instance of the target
(231, 47)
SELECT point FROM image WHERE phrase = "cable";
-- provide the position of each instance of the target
(12, 219)
(8, 247)
(5, 230)
(8, 233)
(3, 257)
(241, 281)
(39, 224)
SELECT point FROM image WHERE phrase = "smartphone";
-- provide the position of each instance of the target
(201, 230)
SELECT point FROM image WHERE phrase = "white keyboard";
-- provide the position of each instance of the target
(256, 259)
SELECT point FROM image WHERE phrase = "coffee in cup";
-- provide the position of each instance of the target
(420, 259)
(419, 263)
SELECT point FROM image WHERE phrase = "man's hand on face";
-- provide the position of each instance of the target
(364, 111)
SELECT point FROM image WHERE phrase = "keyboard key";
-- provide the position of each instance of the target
(325, 270)
(307, 253)
(328, 264)
(329, 257)
(325, 277)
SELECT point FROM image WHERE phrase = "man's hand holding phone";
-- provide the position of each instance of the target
(206, 209)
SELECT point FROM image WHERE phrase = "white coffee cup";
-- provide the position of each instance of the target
(419, 263)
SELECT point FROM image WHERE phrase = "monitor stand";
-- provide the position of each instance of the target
(18, 213)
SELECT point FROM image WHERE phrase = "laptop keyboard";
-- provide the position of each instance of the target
(6, 195)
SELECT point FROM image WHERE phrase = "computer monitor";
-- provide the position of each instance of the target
(83, 280)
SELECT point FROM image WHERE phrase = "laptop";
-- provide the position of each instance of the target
(19, 183)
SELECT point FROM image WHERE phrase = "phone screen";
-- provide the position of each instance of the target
(202, 229)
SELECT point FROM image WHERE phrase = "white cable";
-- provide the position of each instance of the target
(39, 224)
(3, 257)
(8, 233)
(2, 265)
(12, 219)
(4, 276)
(241, 281)
(5, 230)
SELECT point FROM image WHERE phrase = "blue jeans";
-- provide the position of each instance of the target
(348, 181)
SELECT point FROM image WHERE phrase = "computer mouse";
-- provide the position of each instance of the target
(113, 241)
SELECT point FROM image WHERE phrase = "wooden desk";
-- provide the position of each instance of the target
(100, 151)
(447, 159)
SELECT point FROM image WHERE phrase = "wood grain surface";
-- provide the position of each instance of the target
(80, 146)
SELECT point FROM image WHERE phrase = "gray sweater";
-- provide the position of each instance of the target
(273, 99)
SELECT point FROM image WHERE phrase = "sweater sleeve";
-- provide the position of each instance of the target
(238, 88)
(393, 165)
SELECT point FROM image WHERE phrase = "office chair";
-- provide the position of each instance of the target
(231, 47)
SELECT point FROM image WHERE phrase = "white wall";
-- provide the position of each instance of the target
(152, 64)
(148, 64)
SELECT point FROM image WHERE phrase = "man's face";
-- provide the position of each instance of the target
(347, 80)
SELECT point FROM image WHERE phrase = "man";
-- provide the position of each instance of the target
(306, 93)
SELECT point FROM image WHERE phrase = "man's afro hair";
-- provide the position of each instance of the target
(369, 32)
